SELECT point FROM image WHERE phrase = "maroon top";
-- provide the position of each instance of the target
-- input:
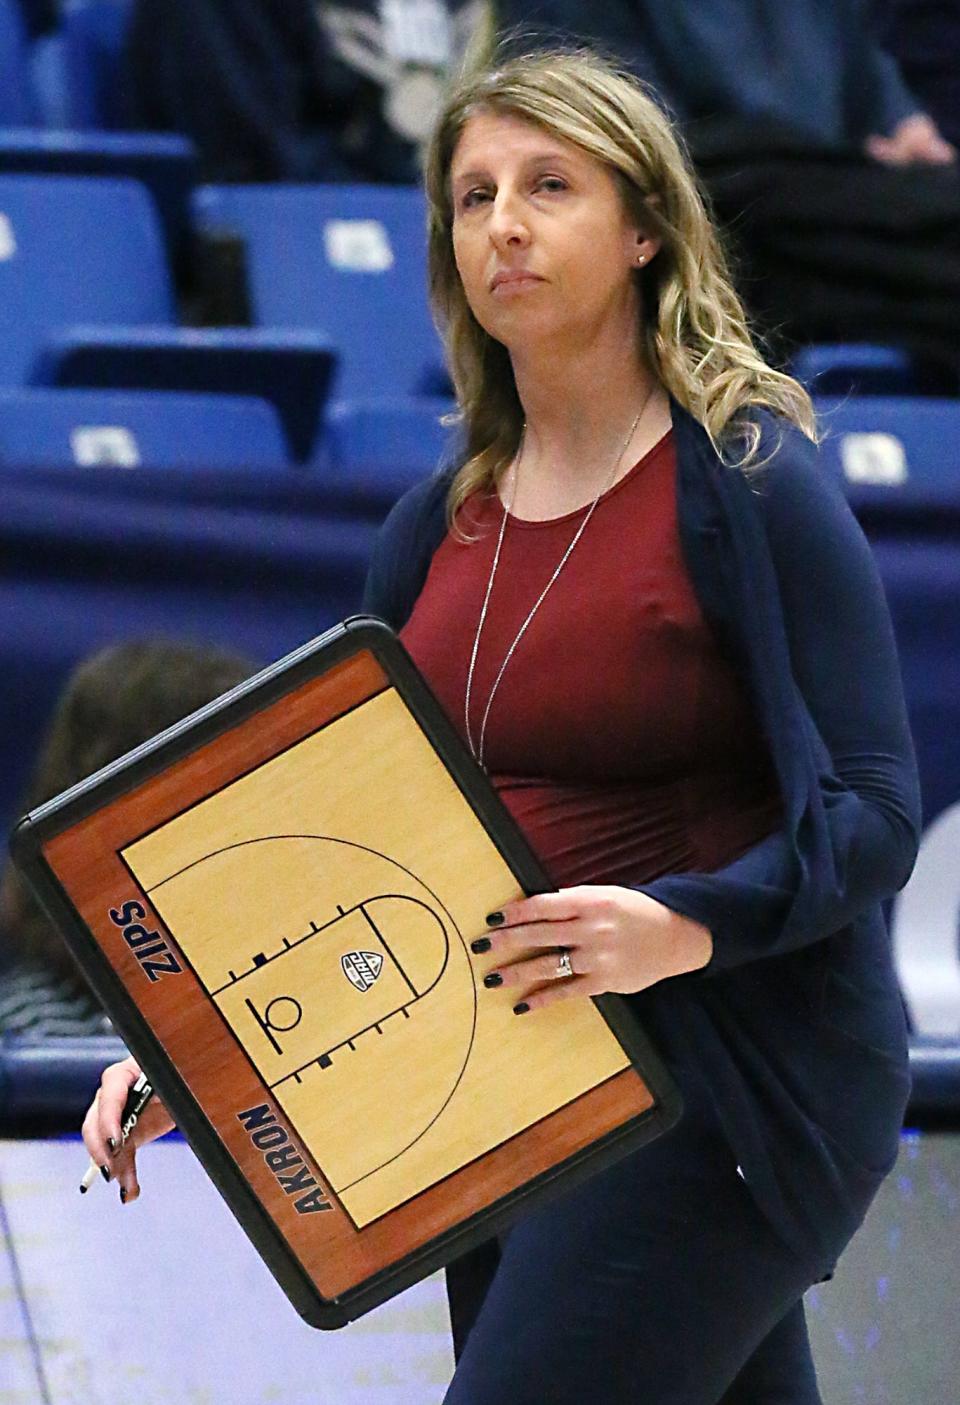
(621, 740)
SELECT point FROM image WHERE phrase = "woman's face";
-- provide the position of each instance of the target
(542, 241)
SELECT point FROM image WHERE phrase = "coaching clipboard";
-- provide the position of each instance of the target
(275, 901)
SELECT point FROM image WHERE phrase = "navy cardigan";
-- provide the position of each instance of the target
(793, 1036)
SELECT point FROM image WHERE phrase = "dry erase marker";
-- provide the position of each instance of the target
(137, 1098)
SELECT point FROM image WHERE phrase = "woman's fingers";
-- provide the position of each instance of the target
(536, 970)
(562, 906)
(565, 918)
(123, 1169)
(102, 1122)
(102, 1127)
(92, 1137)
(537, 981)
(543, 995)
(153, 1122)
(115, 1083)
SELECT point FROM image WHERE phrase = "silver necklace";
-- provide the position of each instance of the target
(477, 750)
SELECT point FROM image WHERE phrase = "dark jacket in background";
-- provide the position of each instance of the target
(284, 89)
(924, 37)
(815, 66)
(252, 84)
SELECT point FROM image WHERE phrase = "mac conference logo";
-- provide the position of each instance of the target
(361, 968)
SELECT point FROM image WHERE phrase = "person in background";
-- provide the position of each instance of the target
(113, 701)
(299, 91)
(401, 54)
(816, 71)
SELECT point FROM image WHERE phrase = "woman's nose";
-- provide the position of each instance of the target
(507, 225)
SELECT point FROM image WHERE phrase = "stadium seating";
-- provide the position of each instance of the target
(864, 369)
(71, 251)
(111, 320)
(17, 102)
(166, 164)
(290, 369)
(155, 429)
(347, 259)
(910, 445)
(397, 435)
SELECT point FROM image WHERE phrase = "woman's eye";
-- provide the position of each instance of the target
(551, 183)
(473, 197)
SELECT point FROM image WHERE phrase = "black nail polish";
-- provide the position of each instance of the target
(521, 1009)
(481, 945)
(494, 979)
(123, 1196)
(494, 919)
(112, 1146)
(105, 1172)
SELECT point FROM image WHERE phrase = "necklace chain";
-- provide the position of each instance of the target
(477, 749)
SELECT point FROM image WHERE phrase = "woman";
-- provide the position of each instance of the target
(662, 635)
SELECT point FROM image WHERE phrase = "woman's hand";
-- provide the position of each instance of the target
(617, 940)
(101, 1127)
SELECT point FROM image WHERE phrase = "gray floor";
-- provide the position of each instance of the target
(886, 1330)
(165, 1303)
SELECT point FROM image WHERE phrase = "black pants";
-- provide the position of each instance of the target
(656, 1283)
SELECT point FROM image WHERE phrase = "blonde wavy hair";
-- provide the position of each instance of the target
(693, 329)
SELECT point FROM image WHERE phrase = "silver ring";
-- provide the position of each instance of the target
(563, 964)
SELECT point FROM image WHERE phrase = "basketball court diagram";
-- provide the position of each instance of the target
(336, 950)
(342, 1008)
(282, 1015)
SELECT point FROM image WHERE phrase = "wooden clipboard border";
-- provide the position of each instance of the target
(253, 696)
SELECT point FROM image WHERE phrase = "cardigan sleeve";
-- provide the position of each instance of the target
(403, 549)
(834, 706)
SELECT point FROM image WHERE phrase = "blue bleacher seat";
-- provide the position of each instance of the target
(48, 81)
(75, 250)
(166, 164)
(85, 299)
(395, 435)
(935, 1075)
(290, 369)
(347, 259)
(864, 369)
(55, 1078)
(52, 1078)
(151, 429)
(17, 101)
(901, 445)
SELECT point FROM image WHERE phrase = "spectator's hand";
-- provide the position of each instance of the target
(102, 1124)
(915, 140)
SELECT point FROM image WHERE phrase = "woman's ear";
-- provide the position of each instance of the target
(645, 247)
(648, 243)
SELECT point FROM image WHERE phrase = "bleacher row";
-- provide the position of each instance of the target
(340, 368)
(336, 288)
(343, 357)
(343, 366)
